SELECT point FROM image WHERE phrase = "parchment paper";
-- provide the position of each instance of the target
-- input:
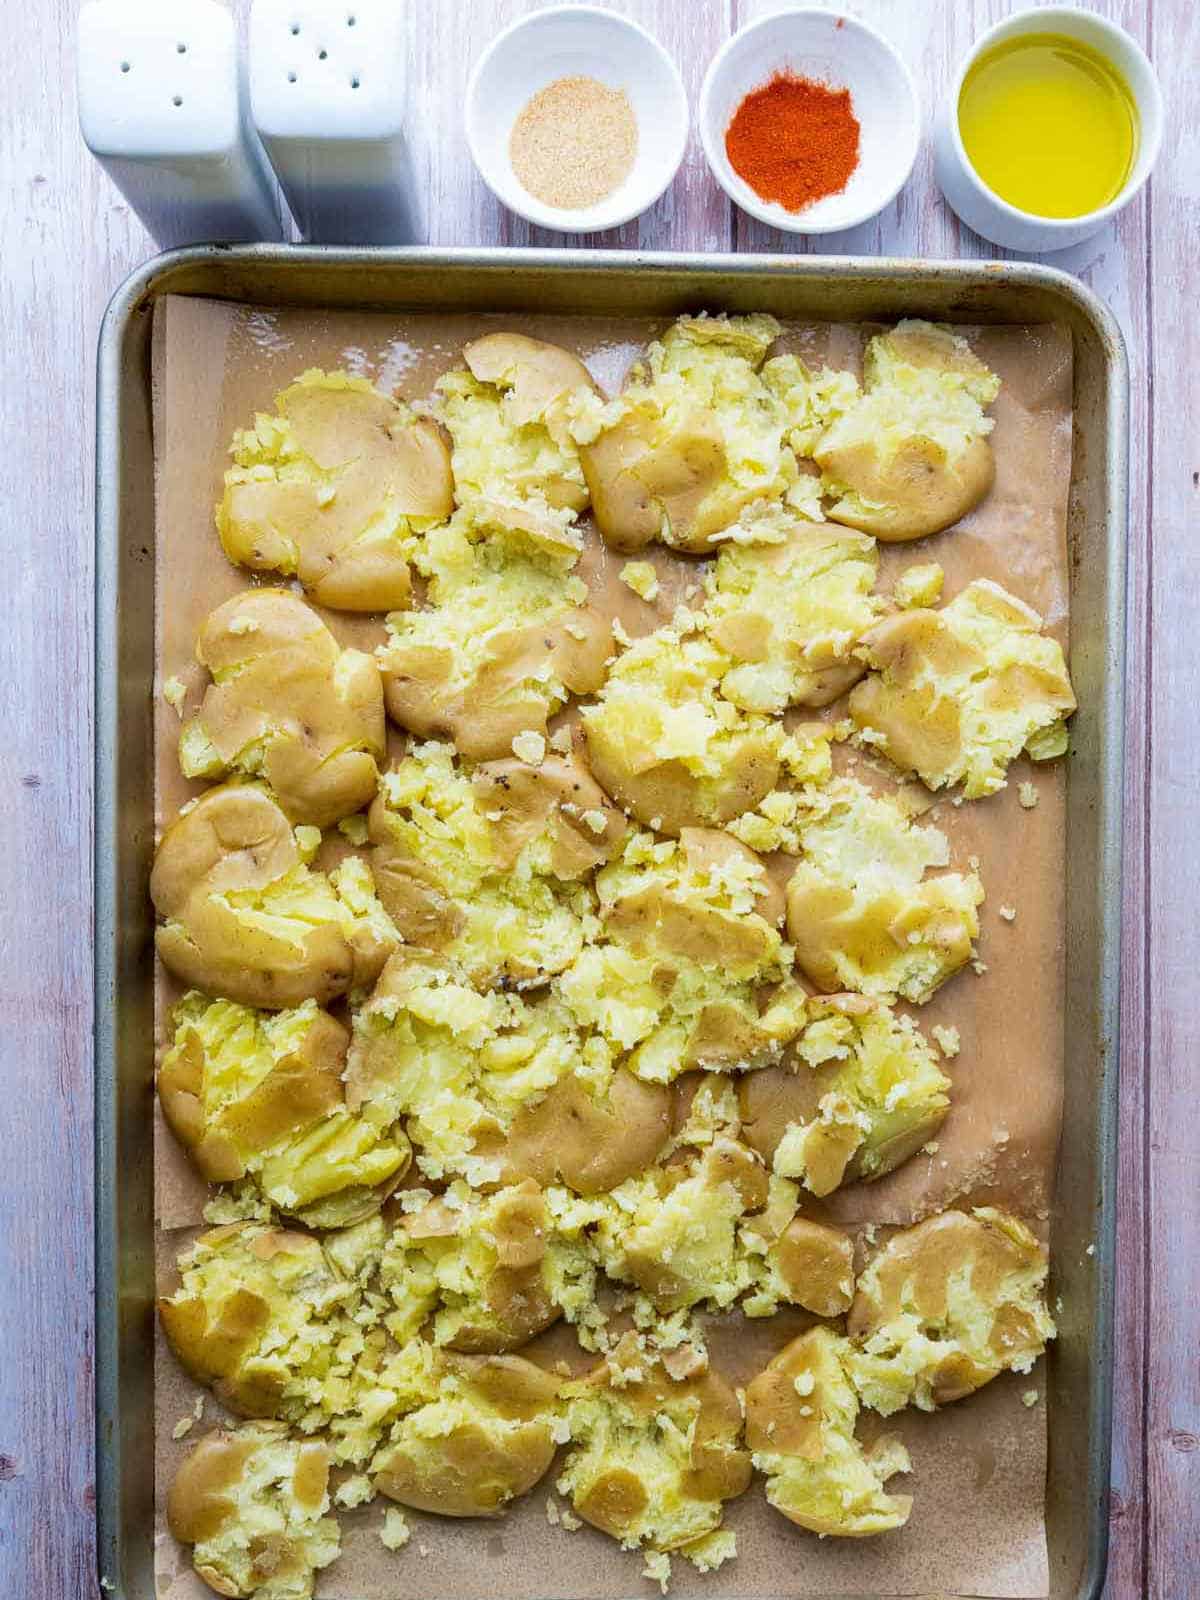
(977, 1527)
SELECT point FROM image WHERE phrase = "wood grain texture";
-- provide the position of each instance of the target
(67, 239)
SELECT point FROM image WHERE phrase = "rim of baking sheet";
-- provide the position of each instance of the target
(116, 1312)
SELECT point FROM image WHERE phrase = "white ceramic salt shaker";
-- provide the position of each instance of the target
(161, 107)
(327, 94)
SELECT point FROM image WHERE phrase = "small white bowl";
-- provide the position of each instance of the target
(983, 210)
(846, 54)
(567, 41)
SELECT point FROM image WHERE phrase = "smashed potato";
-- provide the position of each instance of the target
(251, 1093)
(288, 705)
(705, 899)
(488, 1265)
(259, 1316)
(788, 614)
(484, 1436)
(508, 414)
(862, 915)
(507, 634)
(714, 1228)
(333, 488)
(674, 1231)
(673, 1015)
(243, 915)
(955, 695)
(252, 1504)
(667, 746)
(467, 1069)
(587, 1134)
(945, 1307)
(695, 439)
(653, 1459)
(862, 1093)
(485, 868)
(911, 456)
(801, 1413)
(499, 1088)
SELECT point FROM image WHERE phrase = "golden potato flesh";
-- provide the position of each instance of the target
(332, 488)
(665, 1015)
(705, 899)
(260, 1316)
(252, 1504)
(484, 867)
(508, 415)
(498, 1088)
(695, 440)
(712, 1227)
(862, 914)
(689, 969)
(861, 1093)
(911, 456)
(484, 1437)
(243, 916)
(252, 1093)
(487, 1268)
(668, 747)
(288, 705)
(789, 612)
(674, 1231)
(944, 1307)
(955, 695)
(507, 634)
(801, 1413)
(653, 1459)
(458, 1064)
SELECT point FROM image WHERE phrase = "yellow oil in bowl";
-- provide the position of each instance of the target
(1049, 124)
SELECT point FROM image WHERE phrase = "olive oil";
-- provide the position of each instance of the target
(1049, 125)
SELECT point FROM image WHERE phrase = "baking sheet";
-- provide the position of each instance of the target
(977, 1526)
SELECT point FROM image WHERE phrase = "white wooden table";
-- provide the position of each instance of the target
(67, 240)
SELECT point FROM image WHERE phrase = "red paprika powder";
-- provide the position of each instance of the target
(794, 141)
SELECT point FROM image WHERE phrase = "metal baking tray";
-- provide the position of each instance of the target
(1079, 1369)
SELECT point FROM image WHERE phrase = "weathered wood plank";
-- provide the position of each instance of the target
(1172, 768)
(64, 240)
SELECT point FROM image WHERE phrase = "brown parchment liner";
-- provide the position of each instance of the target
(977, 1526)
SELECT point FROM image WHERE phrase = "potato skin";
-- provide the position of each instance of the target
(282, 684)
(214, 1348)
(801, 1412)
(571, 1137)
(674, 797)
(642, 477)
(610, 1494)
(284, 1538)
(918, 376)
(483, 719)
(1007, 1267)
(236, 839)
(498, 1447)
(303, 1087)
(916, 492)
(536, 373)
(386, 466)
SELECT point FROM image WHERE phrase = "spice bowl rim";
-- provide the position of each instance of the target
(988, 213)
(488, 146)
(811, 220)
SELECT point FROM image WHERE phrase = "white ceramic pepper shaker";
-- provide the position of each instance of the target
(161, 107)
(327, 94)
